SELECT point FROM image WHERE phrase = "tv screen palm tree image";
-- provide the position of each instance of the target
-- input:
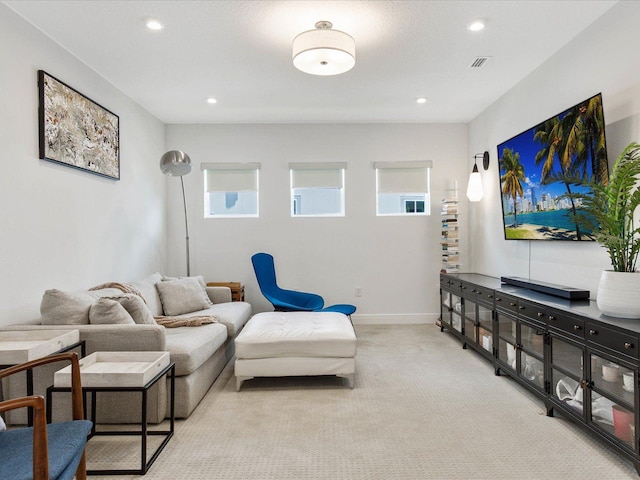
(545, 172)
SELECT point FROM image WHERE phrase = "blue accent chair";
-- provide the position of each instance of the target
(282, 300)
(289, 300)
(44, 452)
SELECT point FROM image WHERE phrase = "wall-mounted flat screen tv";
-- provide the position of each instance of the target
(542, 169)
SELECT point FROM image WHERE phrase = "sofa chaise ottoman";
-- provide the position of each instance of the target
(277, 344)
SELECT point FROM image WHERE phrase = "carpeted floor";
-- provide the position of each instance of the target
(422, 408)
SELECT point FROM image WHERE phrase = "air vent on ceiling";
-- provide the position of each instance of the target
(478, 62)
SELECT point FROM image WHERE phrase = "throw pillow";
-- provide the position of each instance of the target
(184, 295)
(147, 286)
(2, 425)
(135, 306)
(65, 308)
(107, 311)
(200, 280)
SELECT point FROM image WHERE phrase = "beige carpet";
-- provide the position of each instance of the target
(422, 408)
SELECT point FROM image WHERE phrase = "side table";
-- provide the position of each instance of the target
(99, 374)
(237, 289)
(20, 346)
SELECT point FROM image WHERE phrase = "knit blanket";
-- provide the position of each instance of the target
(196, 321)
(164, 320)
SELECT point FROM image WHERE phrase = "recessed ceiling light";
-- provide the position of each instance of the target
(476, 26)
(153, 24)
(421, 100)
(212, 100)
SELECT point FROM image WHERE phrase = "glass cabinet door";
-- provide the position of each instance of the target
(567, 372)
(470, 320)
(507, 340)
(485, 327)
(531, 359)
(456, 312)
(445, 307)
(613, 398)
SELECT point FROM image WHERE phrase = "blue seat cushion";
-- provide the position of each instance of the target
(66, 441)
(340, 308)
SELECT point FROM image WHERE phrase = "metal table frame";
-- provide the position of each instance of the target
(144, 432)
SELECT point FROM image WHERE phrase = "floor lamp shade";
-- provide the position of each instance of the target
(176, 164)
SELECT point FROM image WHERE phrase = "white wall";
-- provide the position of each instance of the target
(395, 260)
(604, 58)
(61, 227)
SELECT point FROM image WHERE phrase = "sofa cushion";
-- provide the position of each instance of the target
(184, 295)
(65, 308)
(147, 287)
(190, 347)
(107, 311)
(136, 307)
(232, 315)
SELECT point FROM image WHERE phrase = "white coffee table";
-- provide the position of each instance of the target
(122, 372)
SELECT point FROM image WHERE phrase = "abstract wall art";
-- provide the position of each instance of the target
(75, 131)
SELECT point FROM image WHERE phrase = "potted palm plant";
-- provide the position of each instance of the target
(609, 214)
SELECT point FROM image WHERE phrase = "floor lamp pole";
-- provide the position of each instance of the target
(186, 226)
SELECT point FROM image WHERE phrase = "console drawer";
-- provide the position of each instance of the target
(532, 311)
(618, 341)
(485, 295)
(506, 302)
(567, 324)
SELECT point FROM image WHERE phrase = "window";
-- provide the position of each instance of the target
(317, 189)
(402, 188)
(230, 189)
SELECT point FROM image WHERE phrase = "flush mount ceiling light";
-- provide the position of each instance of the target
(421, 100)
(324, 51)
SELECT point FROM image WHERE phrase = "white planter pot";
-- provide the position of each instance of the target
(619, 294)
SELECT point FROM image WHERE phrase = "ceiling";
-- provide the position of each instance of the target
(240, 53)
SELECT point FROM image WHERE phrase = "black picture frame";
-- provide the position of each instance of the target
(76, 131)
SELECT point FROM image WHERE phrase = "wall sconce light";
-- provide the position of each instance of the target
(474, 187)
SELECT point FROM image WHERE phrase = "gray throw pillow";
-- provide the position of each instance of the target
(65, 308)
(184, 295)
(107, 311)
(200, 280)
(136, 307)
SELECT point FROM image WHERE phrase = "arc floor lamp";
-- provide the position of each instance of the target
(177, 164)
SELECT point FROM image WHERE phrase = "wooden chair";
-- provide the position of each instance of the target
(42, 452)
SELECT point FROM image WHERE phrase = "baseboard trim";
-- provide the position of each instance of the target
(394, 318)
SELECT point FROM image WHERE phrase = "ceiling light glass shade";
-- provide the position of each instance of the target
(474, 188)
(324, 51)
(175, 163)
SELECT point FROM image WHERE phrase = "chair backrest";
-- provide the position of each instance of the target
(25, 451)
(264, 267)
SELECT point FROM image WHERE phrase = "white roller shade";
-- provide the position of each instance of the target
(403, 177)
(231, 177)
(317, 175)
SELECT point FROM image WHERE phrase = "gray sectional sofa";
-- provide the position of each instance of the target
(114, 319)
